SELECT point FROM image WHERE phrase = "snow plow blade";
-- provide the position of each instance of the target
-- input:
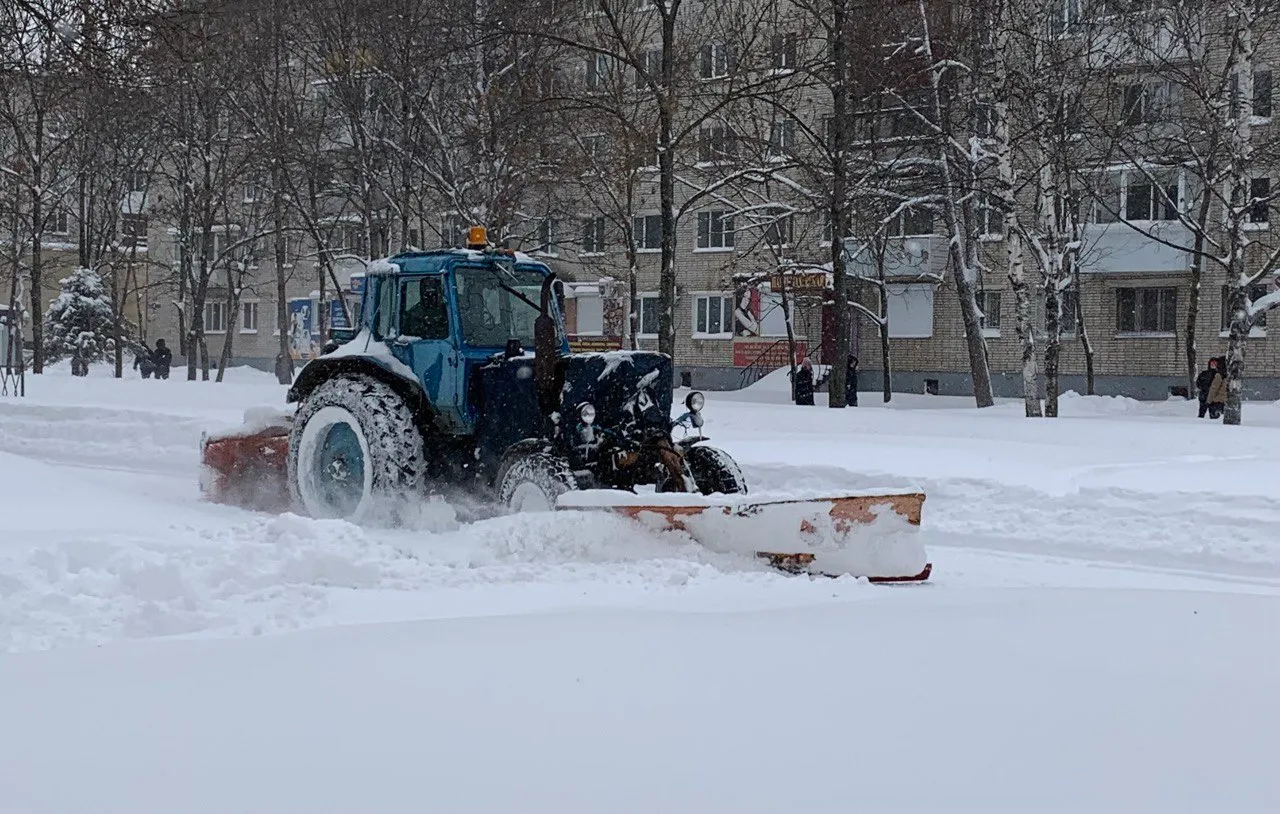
(875, 536)
(246, 467)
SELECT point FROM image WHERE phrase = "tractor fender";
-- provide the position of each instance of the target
(321, 370)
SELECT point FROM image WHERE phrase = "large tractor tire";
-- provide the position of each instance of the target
(531, 478)
(355, 452)
(714, 471)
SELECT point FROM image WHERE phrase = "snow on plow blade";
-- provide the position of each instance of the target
(246, 467)
(865, 535)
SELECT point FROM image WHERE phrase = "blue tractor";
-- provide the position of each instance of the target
(458, 377)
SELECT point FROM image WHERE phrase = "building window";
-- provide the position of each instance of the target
(594, 147)
(1066, 318)
(1068, 301)
(712, 316)
(1261, 94)
(650, 318)
(1138, 195)
(453, 231)
(912, 222)
(717, 143)
(547, 229)
(780, 232)
(715, 230)
(783, 52)
(990, 218)
(1256, 292)
(598, 67)
(989, 306)
(59, 221)
(1149, 102)
(135, 181)
(1064, 15)
(248, 317)
(648, 232)
(910, 310)
(715, 60)
(652, 68)
(1146, 310)
(782, 138)
(1259, 211)
(133, 231)
(590, 314)
(593, 235)
(250, 194)
(215, 317)
(773, 318)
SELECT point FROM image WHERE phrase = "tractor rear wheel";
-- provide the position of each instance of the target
(531, 478)
(714, 471)
(355, 451)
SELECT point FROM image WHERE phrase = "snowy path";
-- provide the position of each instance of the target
(1100, 633)
(126, 549)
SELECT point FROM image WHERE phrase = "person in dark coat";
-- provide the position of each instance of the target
(1217, 397)
(1204, 381)
(142, 361)
(851, 382)
(162, 357)
(804, 383)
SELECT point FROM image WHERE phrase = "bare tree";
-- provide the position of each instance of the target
(947, 45)
(38, 64)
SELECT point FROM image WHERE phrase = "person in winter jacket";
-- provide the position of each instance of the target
(163, 359)
(851, 382)
(804, 383)
(1204, 382)
(142, 361)
(1217, 397)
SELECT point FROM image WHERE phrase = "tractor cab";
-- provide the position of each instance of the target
(446, 314)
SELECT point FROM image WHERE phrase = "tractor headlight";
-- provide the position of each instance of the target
(694, 401)
(587, 413)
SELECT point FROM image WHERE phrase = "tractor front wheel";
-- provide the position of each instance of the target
(714, 471)
(354, 451)
(531, 478)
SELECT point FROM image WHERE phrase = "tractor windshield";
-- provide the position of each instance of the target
(489, 310)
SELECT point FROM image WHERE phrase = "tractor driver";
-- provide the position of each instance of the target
(427, 318)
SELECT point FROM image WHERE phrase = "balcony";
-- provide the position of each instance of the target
(1141, 39)
(1114, 248)
(914, 256)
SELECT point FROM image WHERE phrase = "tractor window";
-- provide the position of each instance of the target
(424, 314)
(384, 312)
(491, 314)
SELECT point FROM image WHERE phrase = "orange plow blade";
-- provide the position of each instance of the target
(875, 536)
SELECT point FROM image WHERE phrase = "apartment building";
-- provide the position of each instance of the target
(1134, 288)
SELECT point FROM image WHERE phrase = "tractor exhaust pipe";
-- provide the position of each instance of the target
(546, 348)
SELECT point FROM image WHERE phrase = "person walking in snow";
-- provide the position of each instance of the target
(162, 357)
(1204, 382)
(1217, 396)
(804, 383)
(142, 361)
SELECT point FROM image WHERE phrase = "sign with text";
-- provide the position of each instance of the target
(771, 354)
(808, 282)
(594, 344)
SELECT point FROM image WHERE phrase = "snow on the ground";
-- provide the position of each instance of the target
(1057, 702)
(1099, 633)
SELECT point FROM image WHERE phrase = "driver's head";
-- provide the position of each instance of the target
(428, 293)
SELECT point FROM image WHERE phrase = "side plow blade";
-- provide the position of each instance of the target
(875, 536)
